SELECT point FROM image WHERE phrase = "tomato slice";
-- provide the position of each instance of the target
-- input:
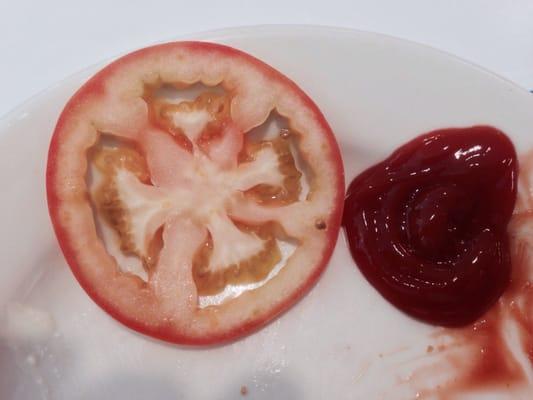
(183, 210)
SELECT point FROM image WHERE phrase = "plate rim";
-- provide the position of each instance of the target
(225, 32)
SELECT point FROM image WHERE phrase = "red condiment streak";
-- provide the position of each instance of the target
(483, 355)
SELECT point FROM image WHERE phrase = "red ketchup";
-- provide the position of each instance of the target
(428, 226)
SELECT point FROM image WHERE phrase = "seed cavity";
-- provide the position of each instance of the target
(290, 191)
(253, 269)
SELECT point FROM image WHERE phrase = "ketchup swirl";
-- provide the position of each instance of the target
(428, 226)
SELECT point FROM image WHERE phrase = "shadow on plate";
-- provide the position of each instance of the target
(132, 387)
(263, 386)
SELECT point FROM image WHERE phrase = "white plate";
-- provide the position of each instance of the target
(342, 341)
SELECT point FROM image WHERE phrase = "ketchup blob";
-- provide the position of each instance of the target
(428, 226)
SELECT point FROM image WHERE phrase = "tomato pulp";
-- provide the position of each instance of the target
(428, 226)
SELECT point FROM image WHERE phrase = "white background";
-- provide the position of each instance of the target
(42, 42)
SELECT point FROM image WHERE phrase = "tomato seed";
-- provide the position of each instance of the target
(320, 224)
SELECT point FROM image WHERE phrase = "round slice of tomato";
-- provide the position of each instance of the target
(195, 191)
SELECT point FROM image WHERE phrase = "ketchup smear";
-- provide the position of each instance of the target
(428, 226)
(482, 355)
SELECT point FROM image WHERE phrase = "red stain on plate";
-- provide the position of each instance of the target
(496, 352)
